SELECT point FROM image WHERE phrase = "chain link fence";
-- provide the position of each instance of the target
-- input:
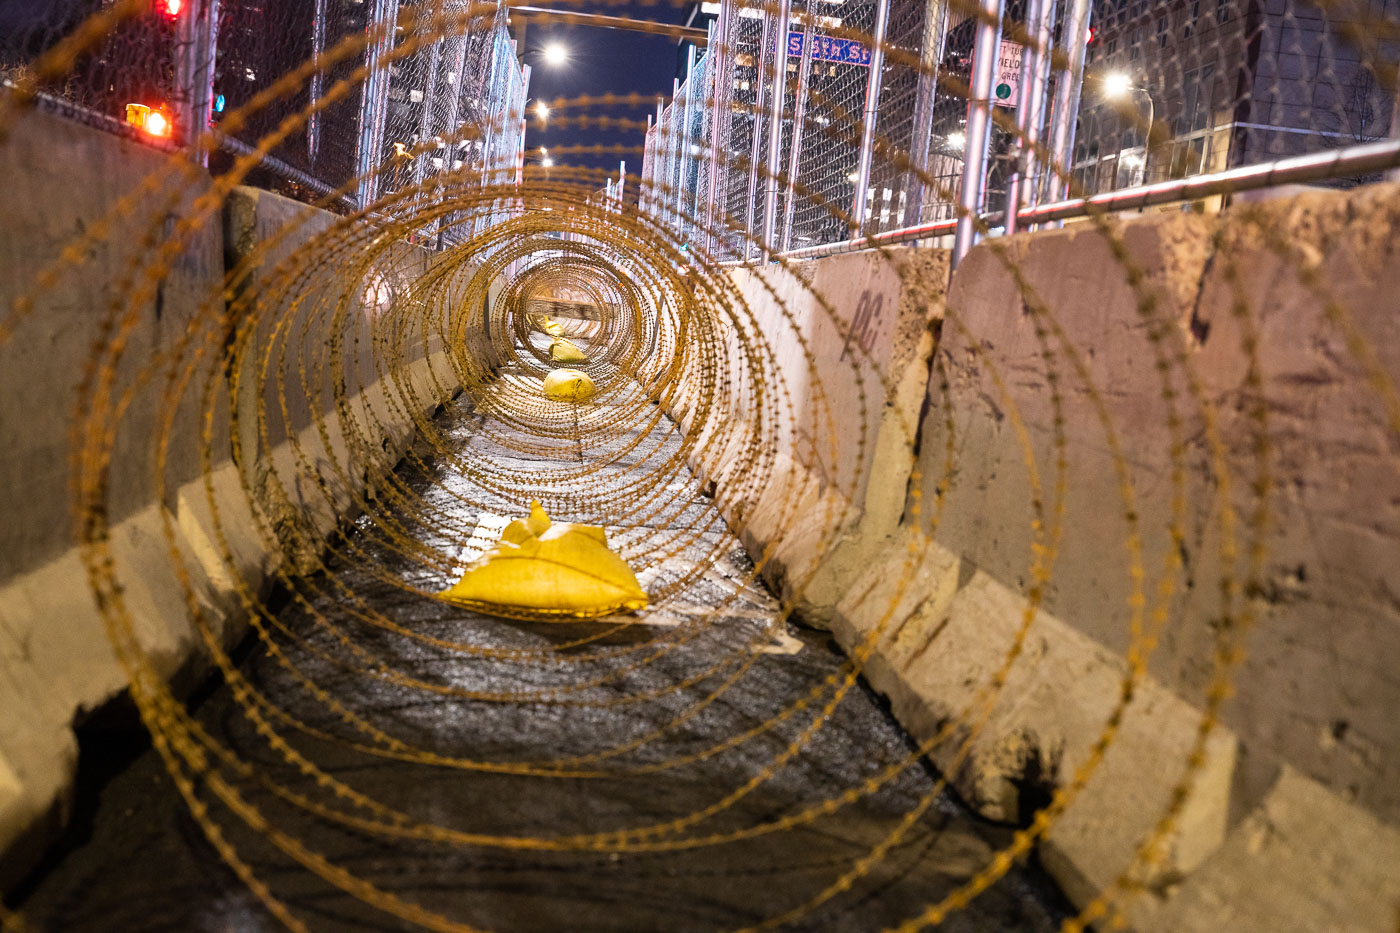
(899, 117)
(381, 95)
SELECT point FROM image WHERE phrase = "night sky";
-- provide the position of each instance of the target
(601, 61)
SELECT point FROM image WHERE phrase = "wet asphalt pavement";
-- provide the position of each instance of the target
(632, 709)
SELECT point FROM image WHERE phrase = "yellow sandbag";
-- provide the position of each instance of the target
(553, 328)
(553, 569)
(565, 351)
(569, 385)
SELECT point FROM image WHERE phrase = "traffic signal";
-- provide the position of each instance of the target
(1089, 37)
(170, 8)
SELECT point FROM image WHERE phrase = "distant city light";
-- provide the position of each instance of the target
(1116, 84)
(555, 54)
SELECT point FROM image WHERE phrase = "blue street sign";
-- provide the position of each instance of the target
(827, 49)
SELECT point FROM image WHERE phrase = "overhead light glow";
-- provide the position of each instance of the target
(555, 54)
(1116, 84)
(542, 110)
(957, 140)
(547, 162)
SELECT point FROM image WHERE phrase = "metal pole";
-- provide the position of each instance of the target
(775, 126)
(489, 98)
(682, 162)
(315, 85)
(1040, 99)
(374, 100)
(799, 117)
(1040, 17)
(756, 136)
(979, 124)
(1147, 137)
(198, 44)
(872, 105)
(1393, 174)
(1068, 87)
(648, 169)
(673, 151)
(525, 72)
(930, 58)
(719, 119)
(663, 164)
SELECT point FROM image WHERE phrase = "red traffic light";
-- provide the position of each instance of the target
(170, 8)
(1089, 38)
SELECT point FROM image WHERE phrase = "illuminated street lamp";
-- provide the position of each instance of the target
(1117, 85)
(542, 110)
(555, 54)
(957, 139)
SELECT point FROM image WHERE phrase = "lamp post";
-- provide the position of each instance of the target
(1115, 86)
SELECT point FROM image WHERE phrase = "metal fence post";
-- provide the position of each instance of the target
(930, 60)
(198, 44)
(867, 127)
(684, 142)
(315, 85)
(1040, 18)
(659, 194)
(775, 127)
(1393, 174)
(799, 117)
(755, 137)
(985, 54)
(719, 118)
(374, 100)
(1066, 113)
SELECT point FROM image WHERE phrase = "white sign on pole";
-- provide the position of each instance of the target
(1008, 74)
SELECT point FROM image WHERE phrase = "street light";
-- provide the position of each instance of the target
(1119, 84)
(542, 110)
(555, 54)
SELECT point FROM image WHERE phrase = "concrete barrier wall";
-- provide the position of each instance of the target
(56, 661)
(840, 383)
(1050, 352)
